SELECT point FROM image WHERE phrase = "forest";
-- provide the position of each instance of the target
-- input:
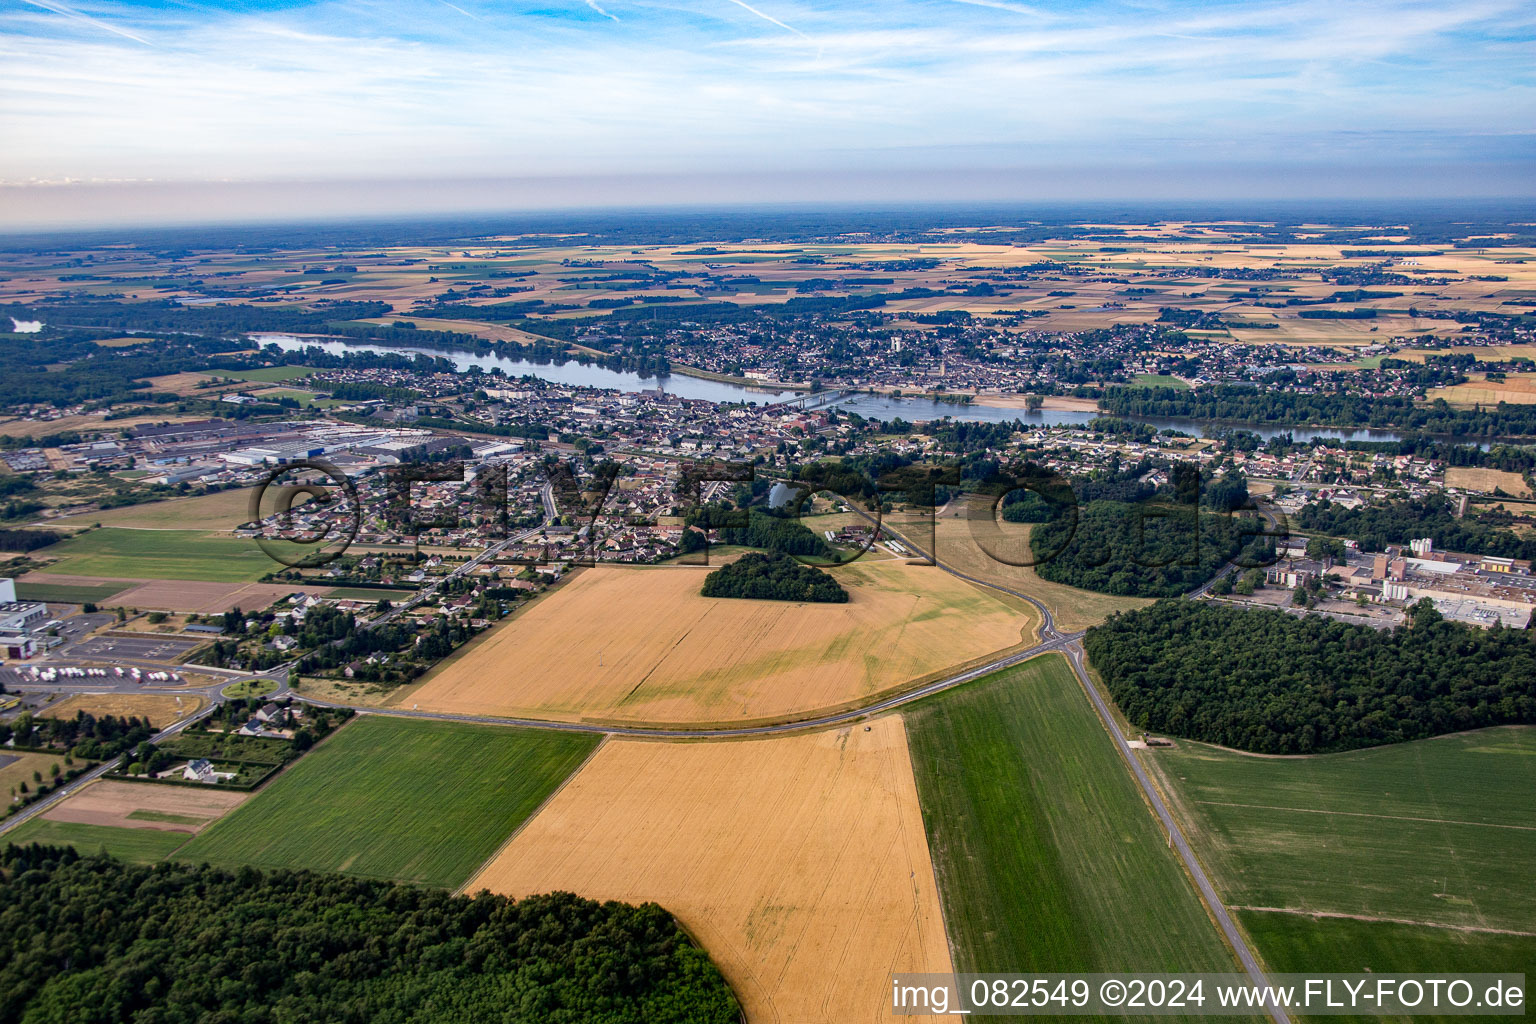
(1239, 404)
(90, 940)
(1376, 526)
(773, 577)
(1273, 683)
(1142, 549)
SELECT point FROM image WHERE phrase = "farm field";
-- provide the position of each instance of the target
(135, 845)
(1160, 380)
(162, 709)
(1485, 392)
(160, 555)
(412, 801)
(643, 645)
(68, 593)
(1073, 609)
(143, 805)
(223, 510)
(1485, 480)
(1440, 831)
(265, 374)
(208, 597)
(1047, 857)
(798, 861)
(1294, 944)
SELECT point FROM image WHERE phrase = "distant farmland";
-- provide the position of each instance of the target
(413, 801)
(1047, 857)
(1441, 830)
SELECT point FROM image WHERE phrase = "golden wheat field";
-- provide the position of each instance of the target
(799, 862)
(643, 645)
(958, 546)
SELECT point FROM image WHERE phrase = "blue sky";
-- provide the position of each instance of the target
(1044, 94)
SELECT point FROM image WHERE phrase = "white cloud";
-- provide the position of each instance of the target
(342, 88)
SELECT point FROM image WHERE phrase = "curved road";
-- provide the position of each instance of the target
(1052, 640)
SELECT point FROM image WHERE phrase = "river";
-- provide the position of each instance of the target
(884, 407)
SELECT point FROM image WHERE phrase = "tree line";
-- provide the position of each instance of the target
(1273, 683)
(1239, 404)
(90, 940)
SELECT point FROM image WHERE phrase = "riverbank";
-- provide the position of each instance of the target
(1058, 403)
(744, 382)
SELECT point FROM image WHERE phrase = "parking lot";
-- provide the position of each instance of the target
(113, 649)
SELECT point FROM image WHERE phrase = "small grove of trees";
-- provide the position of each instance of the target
(773, 577)
(1273, 683)
(85, 736)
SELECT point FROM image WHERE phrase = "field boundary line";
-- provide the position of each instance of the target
(501, 848)
(1301, 912)
(1367, 814)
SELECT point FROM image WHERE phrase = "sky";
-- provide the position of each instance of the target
(179, 110)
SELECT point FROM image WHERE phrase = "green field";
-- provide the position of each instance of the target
(60, 593)
(304, 398)
(413, 801)
(161, 555)
(368, 593)
(1046, 855)
(1293, 944)
(267, 374)
(1159, 380)
(1440, 830)
(138, 845)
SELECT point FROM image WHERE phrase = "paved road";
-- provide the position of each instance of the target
(1074, 653)
(839, 718)
(1052, 640)
(1069, 646)
(33, 810)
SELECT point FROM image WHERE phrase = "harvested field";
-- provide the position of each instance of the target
(198, 384)
(1485, 480)
(65, 424)
(162, 709)
(1485, 392)
(643, 645)
(206, 597)
(957, 547)
(146, 805)
(798, 862)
